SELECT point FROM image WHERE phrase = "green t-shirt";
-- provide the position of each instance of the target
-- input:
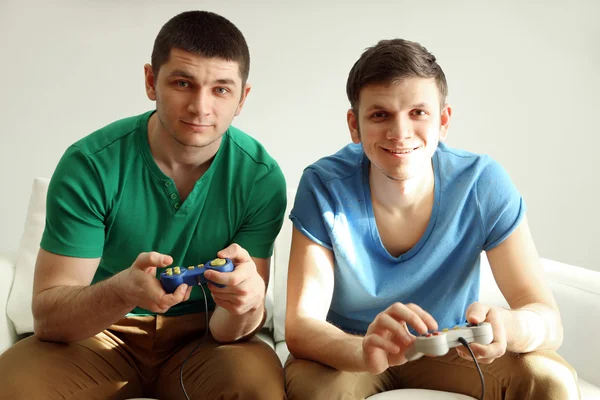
(108, 198)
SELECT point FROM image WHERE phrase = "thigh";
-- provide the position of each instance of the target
(89, 369)
(536, 375)
(307, 379)
(243, 370)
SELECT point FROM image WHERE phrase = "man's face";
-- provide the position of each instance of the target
(400, 125)
(196, 97)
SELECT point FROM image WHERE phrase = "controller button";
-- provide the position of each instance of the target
(176, 270)
(219, 262)
(169, 271)
(436, 333)
(456, 328)
(445, 330)
(191, 267)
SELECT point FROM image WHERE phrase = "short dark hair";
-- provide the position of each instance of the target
(204, 33)
(392, 60)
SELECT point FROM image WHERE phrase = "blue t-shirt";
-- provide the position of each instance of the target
(476, 207)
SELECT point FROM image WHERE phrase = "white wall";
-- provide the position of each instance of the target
(524, 84)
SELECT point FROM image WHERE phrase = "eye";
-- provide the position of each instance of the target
(379, 115)
(182, 84)
(419, 113)
(221, 90)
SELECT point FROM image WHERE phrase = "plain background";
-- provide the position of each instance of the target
(523, 79)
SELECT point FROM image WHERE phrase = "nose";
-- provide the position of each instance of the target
(400, 128)
(200, 103)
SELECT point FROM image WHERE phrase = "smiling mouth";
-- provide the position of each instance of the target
(402, 151)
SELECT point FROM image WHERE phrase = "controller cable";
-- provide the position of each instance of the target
(198, 345)
(466, 344)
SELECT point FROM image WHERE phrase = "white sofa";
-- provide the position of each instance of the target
(577, 291)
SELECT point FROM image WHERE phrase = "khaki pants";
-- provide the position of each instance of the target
(541, 375)
(141, 356)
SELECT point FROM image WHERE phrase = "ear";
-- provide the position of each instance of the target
(445, 121)
(245, 92)
(353, 126)
(150, 82)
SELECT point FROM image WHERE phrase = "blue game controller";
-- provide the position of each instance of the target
(194, 275)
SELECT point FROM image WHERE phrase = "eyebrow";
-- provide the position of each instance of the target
(187, 75)
(381, 107)
(181, 73)
(420, 105)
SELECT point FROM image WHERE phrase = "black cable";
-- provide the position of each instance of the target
(198, 345)
(466, 344)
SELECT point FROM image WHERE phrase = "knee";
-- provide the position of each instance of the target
(252, 374)
(543, 375)
(306, 379)
(258, 381)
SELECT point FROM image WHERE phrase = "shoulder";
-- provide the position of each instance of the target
(459, 164)
(114, 133)
(344, 164)
(249, 151)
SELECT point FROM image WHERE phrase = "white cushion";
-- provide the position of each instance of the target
(588, 391)
(19, 301)
(416, 394)
(7, 271)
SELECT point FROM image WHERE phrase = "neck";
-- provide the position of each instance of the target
(401, 196)
(171, 154)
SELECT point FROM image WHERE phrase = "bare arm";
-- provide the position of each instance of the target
(309, 292)
(240, 306)
(310, 336)
(62, 294)
(534, 322)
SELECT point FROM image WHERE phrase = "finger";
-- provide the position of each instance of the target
(236, 253)
(152, 259)
(169, 300)
(229, 279)
(490, 351)
(229, 298)
(431, 323)
(188, 293)
(385, 323)
(477, 312)
(494, 317)
(402, 313)
(373, 341)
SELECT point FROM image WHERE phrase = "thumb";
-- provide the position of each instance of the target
(236, 253)
(152, 259)
(477, 312)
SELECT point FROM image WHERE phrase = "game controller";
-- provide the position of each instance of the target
(193, 275)
(439, 343)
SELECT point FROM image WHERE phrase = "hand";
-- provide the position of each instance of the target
(138, 286)
(244, 289)
(485, 354)
(387, 337)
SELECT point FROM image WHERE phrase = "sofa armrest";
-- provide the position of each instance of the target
(577, 292)
(8, 335)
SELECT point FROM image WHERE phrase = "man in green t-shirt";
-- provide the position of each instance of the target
(175, 186)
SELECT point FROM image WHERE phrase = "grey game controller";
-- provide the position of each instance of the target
(440, 342)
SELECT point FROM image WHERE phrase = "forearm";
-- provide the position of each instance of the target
(226, 327)
(321, 341)
(73, 313)
(533, 327)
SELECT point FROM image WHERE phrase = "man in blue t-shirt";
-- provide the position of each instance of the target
(387, 239)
